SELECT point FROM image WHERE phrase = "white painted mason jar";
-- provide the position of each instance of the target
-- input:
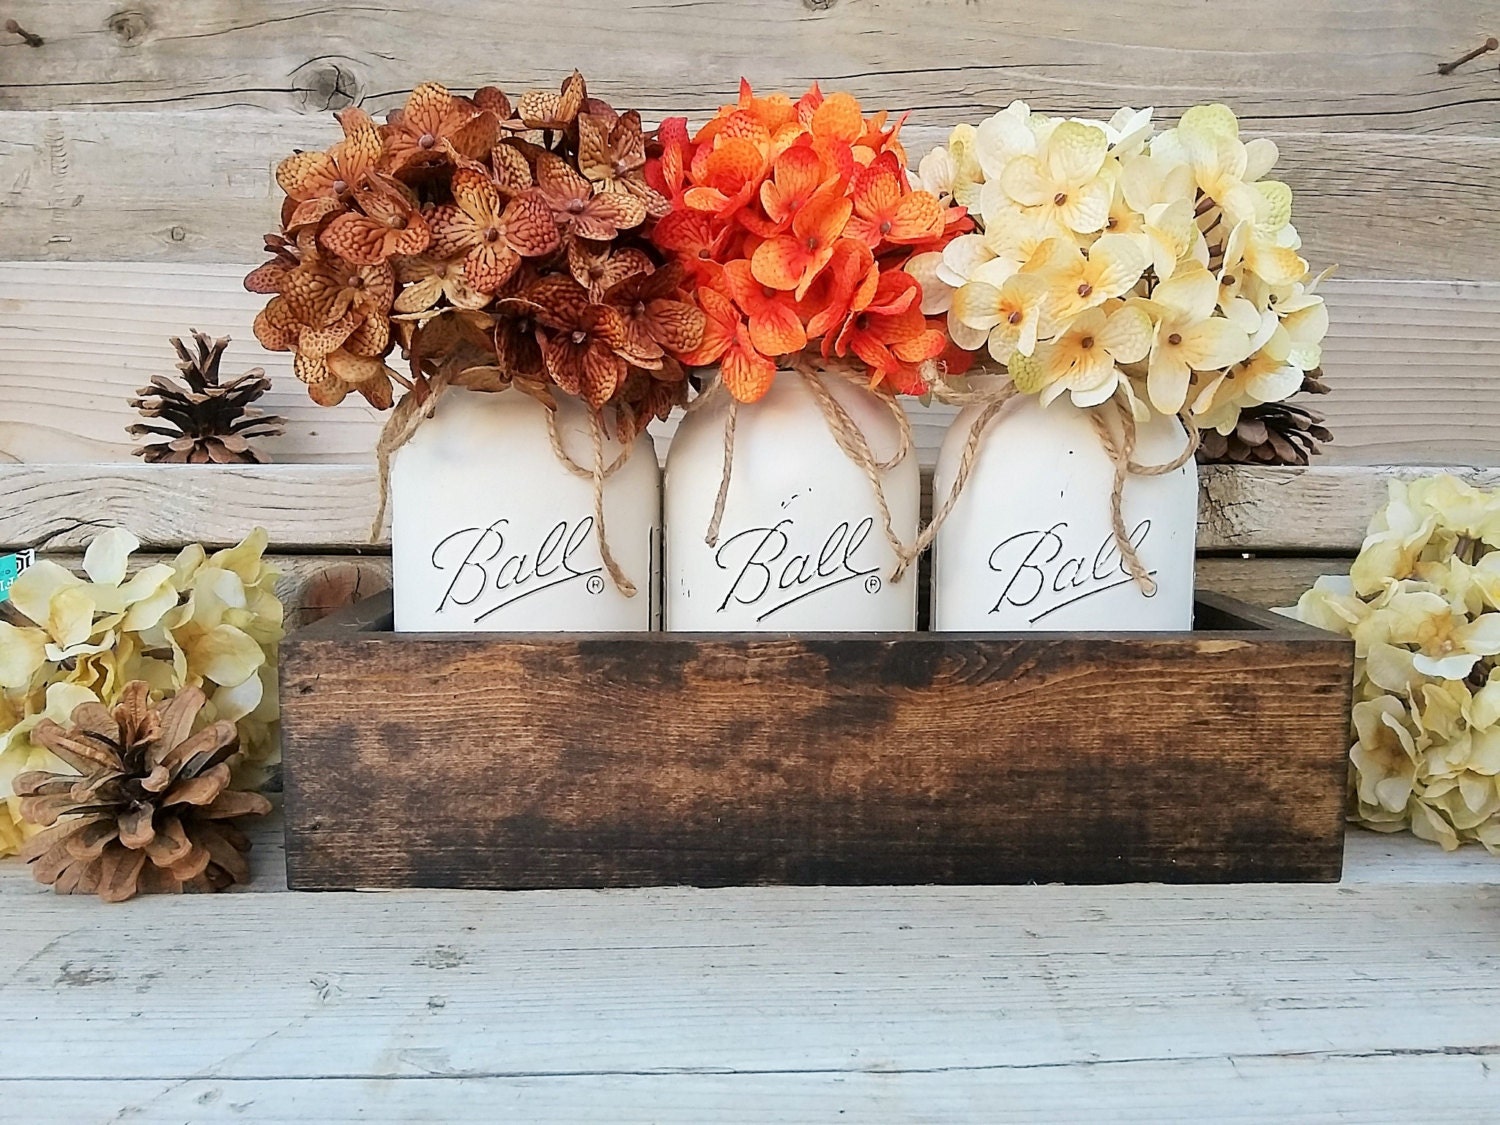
(802, 545)
(490, 532)
(1030, 544)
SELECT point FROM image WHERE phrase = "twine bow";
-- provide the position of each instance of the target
(415, 408)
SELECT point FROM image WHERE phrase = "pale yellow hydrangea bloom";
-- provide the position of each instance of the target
(1422, 604)
(205, 621)
(1184, 221)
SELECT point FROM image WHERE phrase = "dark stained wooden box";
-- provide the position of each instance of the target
(565, 760)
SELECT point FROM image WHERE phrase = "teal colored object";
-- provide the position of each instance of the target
(11, 567)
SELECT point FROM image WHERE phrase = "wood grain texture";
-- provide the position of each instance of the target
(1356, 65)
(1311, 1089)
(330, 507)
(1415, 366)
(187, 186)
(1242, 988)
(527, 762)
(766, 1006)
(1315, 509)
(1265, 581)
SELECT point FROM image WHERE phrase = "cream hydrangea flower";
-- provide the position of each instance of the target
(1066, 180)
(1421, 606)
(211, 622)
(1188, 337)
(1084, 360)
(1185, 221)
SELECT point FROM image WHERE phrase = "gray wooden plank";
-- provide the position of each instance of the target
(823, 980)
(330, 507)
(1414, 365)
(181, 186)
(1356, 65)
(1315, 1088)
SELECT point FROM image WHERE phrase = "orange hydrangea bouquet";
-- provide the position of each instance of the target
(794, 220)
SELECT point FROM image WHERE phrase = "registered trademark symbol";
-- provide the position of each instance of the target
(595, 584)
(872, 584)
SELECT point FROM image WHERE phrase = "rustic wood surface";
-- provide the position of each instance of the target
(1372, 1000)
(514, 762)
(1415, 366)
(1357, 65)
(181, 186)
(330, 507)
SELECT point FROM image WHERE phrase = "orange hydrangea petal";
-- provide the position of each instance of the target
(872, 351)
(746, 374)
(475, 139)
(776, 331)
(918, 217)
(823, 217)
(323, 387)
(878, 189)
(780, 262)
(733, 164)
(683, 232)
(359, 152)
(838, 118)
(328, 338)
(797, 173)
(926, 344)
(745, 125)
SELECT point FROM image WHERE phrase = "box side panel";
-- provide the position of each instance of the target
(546, 763)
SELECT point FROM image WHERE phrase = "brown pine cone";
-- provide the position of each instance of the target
(1274, 433)
(149, 806)
(206, 421)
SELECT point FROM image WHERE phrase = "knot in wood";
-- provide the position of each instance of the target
(819, 5)
(129, 27)
(325, 84)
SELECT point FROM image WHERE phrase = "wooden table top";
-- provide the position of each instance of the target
(1377, 999)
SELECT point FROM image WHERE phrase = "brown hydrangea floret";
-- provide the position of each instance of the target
(496, 243)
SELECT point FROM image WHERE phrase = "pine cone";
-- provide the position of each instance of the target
(207, 421)
(149, 808)
(1274, 433)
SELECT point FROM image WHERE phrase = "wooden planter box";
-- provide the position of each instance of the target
(441, 760)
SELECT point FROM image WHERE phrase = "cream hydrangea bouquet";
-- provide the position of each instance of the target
(1422, 602)
(209, 621)
(1112, 260)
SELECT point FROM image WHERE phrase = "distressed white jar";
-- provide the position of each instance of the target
(802, 545)
(490, 532)
(1030, 544)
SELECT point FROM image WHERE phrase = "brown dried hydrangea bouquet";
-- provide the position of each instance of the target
(497, 245)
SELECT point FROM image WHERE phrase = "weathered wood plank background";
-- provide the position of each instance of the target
(137, 144)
